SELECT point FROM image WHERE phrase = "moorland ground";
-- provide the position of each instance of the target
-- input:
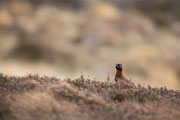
(49, 98)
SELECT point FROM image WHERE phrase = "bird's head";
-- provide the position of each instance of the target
(119, 67)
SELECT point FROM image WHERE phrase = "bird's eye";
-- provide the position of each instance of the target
(117, 66)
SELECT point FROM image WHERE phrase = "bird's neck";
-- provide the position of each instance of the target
(119, 73)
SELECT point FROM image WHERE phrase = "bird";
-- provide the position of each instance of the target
(119, 74)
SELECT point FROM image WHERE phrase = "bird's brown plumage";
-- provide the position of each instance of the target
(119, 74)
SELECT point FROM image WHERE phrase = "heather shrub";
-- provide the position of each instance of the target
(33, 97)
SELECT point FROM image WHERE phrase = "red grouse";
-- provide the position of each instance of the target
(119, 75)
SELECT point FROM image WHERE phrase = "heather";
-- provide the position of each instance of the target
(33, 97)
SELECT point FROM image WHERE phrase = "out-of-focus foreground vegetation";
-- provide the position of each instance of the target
(64, 37)
(48, 98)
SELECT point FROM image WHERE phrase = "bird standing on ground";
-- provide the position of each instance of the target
(119, 75)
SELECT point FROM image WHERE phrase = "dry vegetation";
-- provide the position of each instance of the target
(48, 98)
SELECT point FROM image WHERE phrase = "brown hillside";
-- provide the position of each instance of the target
(48, 98)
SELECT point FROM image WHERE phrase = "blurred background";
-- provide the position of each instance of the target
(65, 38)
